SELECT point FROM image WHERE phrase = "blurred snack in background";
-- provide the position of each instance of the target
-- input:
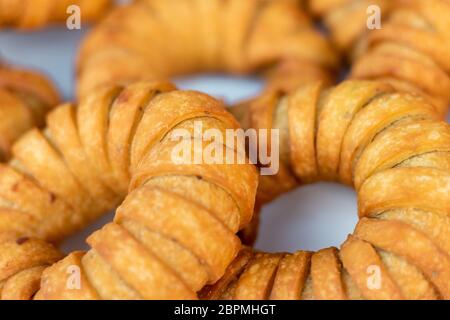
(35, 14)
(383, 137)
(25, 99)
(64, 177)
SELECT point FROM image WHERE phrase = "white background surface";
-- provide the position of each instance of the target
(309, 218)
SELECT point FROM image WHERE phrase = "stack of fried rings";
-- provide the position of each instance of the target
(403, 194)
(392, 148)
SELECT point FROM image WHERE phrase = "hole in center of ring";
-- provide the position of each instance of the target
(311, 217)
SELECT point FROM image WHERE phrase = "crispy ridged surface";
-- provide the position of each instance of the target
(176, 228)
(34, 14)
(390, 146)
(22, 261)
(141, 41)
(409, 52)
(395, 152)
(115, 148)
(25, 99)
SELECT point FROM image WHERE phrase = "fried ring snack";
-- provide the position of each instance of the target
(139, 41)
(25, 99)
(115, 148)
(399, 249)
(35, 14)
(346, 20)
(393, 149)
(410, 51)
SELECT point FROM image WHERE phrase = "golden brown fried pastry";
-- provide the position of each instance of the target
(346, 20)
(33, 14)
(25, 99)
(399, 249)
(22, 261)
(177, 224)
(410, 51)
(392, 148)
(141, 41)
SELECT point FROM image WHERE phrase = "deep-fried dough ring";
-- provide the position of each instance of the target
(410, 51)
(25, 99)
(396, 153)
(33, 14)
(141, 41)
(346, 20)
(175, 230)
(403, 196)
(389, 146)
(22, 262)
